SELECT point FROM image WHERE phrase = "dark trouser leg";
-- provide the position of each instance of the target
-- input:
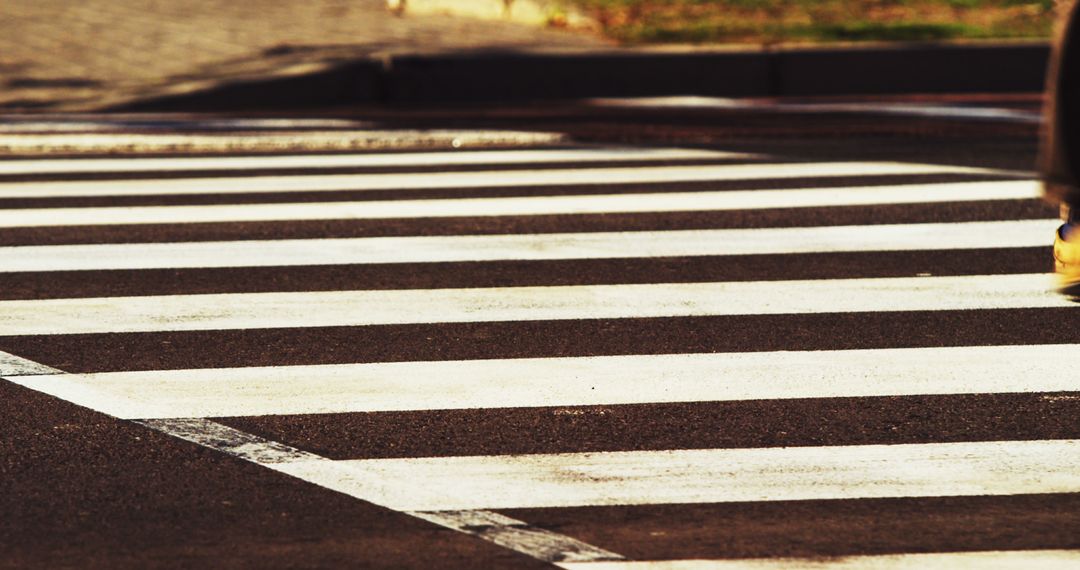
(1060, 153)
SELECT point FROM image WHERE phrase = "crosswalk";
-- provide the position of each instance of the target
(600, 357)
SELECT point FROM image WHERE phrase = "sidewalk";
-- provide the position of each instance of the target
(60, 55)
(272, 55)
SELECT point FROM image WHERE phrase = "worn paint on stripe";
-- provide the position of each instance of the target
(267, 141)
(942, 111)
(598, 245)
(502, 530)
(679, 425)
(11, 365)
(781, 217)
(545, 339)
(144, 123)
(496, 528)
(369, 160)
(487, 179)
(709, 475)
(519, 536)
(824, 529)
(382, 307)
(228, 440)
(986, 560)
(582, 381)
(517, 273)
(526, 206)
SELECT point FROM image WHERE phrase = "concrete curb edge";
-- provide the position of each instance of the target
(491, 76)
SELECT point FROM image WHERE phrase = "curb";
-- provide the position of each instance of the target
(485, 77)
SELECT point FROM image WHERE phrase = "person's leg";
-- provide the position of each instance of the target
(1060, 153)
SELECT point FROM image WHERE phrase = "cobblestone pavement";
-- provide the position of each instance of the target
(62, 55)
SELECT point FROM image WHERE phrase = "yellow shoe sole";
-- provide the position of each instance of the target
(1067, 261)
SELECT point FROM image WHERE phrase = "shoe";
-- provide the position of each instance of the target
(1067, 255)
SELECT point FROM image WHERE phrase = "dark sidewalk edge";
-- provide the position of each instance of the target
(502, 76)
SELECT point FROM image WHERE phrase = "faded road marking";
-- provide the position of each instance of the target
(527, 206)
(502, 530)
(11, 365)
(584, 381)
(487, 179)
(709, 475)
(383, 307)
(598, 245)
(367, 160)
(987, 560)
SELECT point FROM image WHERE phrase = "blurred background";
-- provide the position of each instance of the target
(58, 55)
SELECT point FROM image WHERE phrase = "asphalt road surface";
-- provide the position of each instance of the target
(599, 356)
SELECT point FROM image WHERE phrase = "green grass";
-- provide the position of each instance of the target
(775, 21)
(888, 31)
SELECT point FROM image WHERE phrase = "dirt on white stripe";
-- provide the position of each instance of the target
(384, 307)
(583, 381)
(707, 475)
(526, 206)
(369, 160)
(986, 560)
(597, 245)
(487, 179)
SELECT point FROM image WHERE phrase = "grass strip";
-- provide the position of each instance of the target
(779, 21)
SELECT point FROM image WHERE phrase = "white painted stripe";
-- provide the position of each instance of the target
(267, 141)
(519, 536)
(607, 380)
(500, 529)
(923, 110)
(230, 440)
(11, 365)
(708, 475)
(372, 160)
(942, 111)
(508, 178)
(526, 206)
(901, 237)
(356, 308)
(129, 124)
(985, 560)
